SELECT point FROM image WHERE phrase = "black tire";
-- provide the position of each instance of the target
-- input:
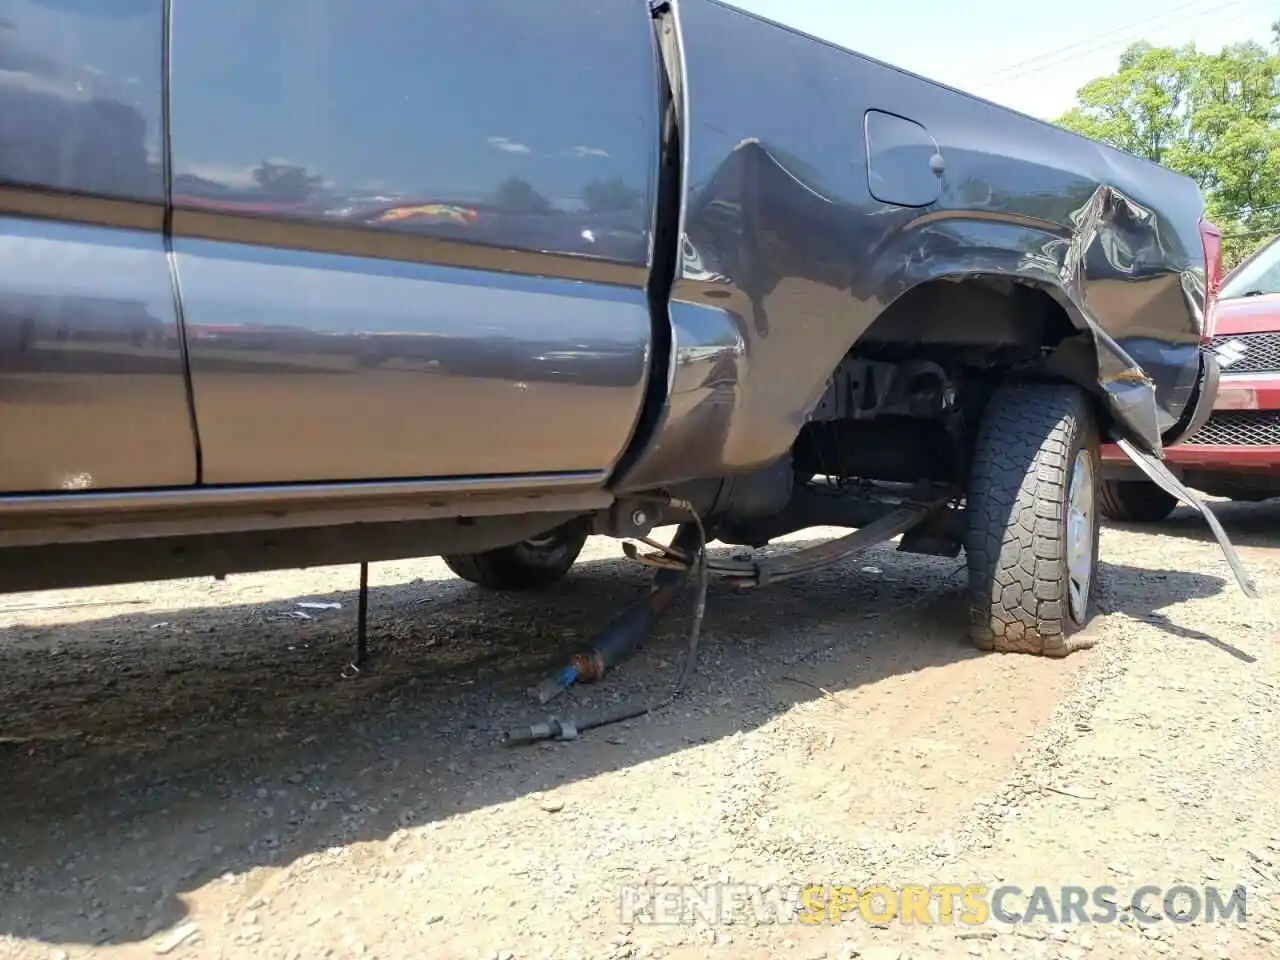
(529, 565)
(1020, 582)
(1134, 501)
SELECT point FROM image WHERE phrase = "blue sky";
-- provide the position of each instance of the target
(1031, 56)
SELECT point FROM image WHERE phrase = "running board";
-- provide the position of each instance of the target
(1163, 478)
(759, 573)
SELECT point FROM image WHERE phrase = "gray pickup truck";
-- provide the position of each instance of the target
(315, 281)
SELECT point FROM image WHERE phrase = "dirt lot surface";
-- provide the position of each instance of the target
(185, 773)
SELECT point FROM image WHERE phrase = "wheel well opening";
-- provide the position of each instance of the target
(903, 404)
(992, 327)
(973, 311)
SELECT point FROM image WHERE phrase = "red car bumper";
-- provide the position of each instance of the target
(1242, 435)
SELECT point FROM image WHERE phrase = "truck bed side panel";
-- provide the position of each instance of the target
(790, 254)
(416, 242)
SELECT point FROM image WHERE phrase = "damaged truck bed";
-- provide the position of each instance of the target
(602, 268)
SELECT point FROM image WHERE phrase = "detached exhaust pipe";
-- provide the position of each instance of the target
(625, 632)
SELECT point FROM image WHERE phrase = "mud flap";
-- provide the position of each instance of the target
(1163, 478)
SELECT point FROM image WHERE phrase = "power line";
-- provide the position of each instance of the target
(1040, 64)
(1053, 59)
(1089, 39)
(1250, 211)
(1031, 71)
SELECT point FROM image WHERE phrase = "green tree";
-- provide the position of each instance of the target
(1212, 116)
(1142, 107)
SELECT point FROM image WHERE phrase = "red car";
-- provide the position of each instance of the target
(1236, 454)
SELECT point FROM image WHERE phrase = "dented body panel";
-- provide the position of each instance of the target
(820, 190)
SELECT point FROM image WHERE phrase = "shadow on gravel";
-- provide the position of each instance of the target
(1247, 524)
(143, 761)
(1140, 594)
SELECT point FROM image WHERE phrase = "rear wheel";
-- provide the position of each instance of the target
(528, 565)
(1032, 541)
(1134, 501)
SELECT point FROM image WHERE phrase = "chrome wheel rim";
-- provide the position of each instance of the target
(1080, 521)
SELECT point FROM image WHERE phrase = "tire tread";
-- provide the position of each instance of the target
(1016, 545)
(508, 568)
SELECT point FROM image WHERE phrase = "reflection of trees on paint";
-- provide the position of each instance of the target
(69, 127)
(610, 196)
(516, 195)
(973, 193)
(286, 181)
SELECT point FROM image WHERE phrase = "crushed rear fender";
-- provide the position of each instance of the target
(801, 223)
(1116, 229)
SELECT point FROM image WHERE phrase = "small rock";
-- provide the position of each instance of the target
(552, 805)
(58, 955)
(177, 938)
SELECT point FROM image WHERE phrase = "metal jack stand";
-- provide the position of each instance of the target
(352, 670)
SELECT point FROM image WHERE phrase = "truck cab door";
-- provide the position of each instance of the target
(92, 383)
(414, 242)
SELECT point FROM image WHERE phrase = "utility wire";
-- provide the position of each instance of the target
(1050, 60)
(1252, 210)
(1039, 58)
(1248, 235)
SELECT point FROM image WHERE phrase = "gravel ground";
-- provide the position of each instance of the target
(187, 774)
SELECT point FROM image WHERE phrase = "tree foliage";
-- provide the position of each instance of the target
(1212, 116)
